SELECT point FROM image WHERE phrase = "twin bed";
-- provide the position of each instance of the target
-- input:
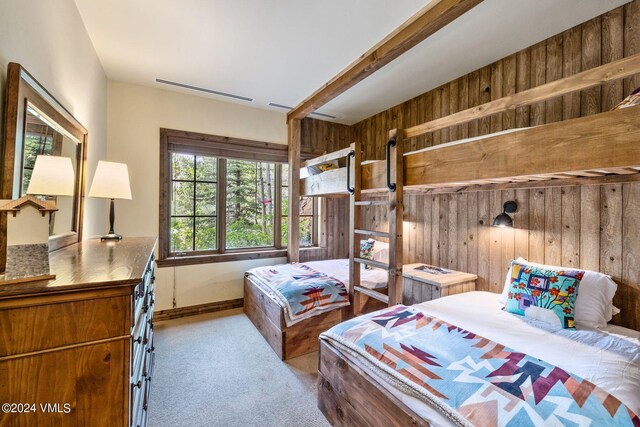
(378, 370)
(292, 327)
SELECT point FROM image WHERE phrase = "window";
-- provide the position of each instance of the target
(193, 203)
(250, 208)
(217, 205)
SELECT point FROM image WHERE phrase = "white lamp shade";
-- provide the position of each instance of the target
(111, 181)
(52, 176)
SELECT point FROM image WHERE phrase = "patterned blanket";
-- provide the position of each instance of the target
(302, 291)
(471, 379)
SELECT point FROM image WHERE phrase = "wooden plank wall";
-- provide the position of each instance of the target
(594, 227)
(324, 137)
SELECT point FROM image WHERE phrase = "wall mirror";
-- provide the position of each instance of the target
(37, 124)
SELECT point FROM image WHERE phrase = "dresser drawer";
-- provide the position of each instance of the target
(140, 385)
(143, 294)
(90, 378)
(63, 322)
(147, 390)
(137, 401)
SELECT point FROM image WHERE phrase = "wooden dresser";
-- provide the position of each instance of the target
(78, 350)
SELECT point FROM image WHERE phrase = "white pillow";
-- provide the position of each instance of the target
(594, 303)
(380, 251)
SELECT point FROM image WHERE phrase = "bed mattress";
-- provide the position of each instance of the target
(339, 269)
(607, 357)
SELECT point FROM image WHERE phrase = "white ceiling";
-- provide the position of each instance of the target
(281, 51)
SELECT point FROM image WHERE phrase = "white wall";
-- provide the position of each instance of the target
(49, 39)
(135, 116)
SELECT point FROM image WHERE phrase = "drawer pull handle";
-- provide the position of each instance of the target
(145, 341)
(138, 384)
(144, 407)
(138, 340)
(151, 349)
(146, 308)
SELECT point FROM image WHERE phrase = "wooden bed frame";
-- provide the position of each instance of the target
(287, 341)
(345, 386)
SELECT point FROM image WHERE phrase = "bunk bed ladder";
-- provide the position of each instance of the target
(395, 172)
(395, 205)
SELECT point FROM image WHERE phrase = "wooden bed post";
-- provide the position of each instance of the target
(355, 219)
(293, 226)
(396, 213)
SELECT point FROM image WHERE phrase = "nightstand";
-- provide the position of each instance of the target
(421, 285)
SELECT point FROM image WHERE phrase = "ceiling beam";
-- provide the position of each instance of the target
(431, 18)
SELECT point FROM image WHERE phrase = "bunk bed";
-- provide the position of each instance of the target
(370, 284)
(602, 148)
(598, 146)
(584, 150)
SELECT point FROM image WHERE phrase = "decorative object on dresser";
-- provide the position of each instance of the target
(425, 283)
(27, 229)
(38, 126)
(84, 340)
(504, 220)
(27, 240)
(111, 181)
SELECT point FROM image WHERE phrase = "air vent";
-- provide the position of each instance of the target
(273, 104)
(202, 89)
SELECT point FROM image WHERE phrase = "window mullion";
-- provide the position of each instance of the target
(195, 174)
(277, 208)
(221, 205)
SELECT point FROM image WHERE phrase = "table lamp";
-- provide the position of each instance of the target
(111, 181)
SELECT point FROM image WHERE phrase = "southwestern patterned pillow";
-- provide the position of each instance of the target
(543, 294)
(366, 251)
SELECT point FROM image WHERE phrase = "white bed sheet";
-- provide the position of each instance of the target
(339, 269)
(608, 357)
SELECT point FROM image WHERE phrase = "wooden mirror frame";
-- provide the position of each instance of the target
(22, 88)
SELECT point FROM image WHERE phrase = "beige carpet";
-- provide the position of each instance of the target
(217, 370)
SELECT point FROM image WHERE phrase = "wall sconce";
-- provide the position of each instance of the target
(504, 220)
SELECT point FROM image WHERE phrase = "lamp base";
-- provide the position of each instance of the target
(111, 236)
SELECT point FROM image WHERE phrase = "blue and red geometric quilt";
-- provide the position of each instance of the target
(474, 380)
